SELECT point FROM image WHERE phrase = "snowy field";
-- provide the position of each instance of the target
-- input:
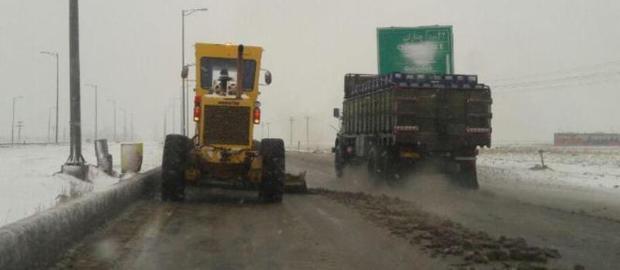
(28, 183)
(590, 168)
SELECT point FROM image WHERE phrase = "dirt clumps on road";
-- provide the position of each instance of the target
(441, 238)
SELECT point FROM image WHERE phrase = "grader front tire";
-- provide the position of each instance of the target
(174, 162)
(272, 184)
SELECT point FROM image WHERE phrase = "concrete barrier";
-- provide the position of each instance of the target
(38, 241)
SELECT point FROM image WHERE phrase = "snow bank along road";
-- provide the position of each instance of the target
(349, 224)
(28, 184)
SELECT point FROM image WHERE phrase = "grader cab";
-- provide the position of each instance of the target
(223, 152)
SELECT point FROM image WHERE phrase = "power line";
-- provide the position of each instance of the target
(559, 71)
(552, 87)
(579, 77)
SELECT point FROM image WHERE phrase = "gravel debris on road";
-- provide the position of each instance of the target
(441, 237)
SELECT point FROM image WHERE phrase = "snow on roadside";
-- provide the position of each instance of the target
(29, 183)
(578, 167)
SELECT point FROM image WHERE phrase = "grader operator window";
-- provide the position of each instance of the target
(220, 74)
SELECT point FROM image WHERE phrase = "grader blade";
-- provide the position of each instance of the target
(295, 183)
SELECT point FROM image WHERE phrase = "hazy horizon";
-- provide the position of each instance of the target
(552, 65)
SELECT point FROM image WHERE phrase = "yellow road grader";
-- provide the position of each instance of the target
(223, 152)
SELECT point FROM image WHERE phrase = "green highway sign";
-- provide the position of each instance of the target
(426, 49)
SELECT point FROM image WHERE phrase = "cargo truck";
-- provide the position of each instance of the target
(393, 122)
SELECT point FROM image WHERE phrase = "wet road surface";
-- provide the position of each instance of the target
(217, 229)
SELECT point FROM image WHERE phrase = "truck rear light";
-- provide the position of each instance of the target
(196, 113)
(256, 115)
(478, 130)
(406, 128)
(197, 100)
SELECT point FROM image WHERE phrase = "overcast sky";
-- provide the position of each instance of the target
(553, 65)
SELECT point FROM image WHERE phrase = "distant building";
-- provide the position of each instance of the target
(586, 139)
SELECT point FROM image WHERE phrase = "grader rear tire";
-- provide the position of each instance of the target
(272, 184)
(174, 162)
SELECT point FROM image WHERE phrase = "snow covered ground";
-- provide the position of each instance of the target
(28, 183)
(588, 168)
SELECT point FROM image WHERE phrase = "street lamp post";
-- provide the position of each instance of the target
(49, 125)
(131, 127)
(13, 119)
(20, 124)
(184, 13)
(75, 164)
(173, 104)
(124, 123)
(114, 112)
(187, 102)
(55, 54)
(184, 75)
(94, 86)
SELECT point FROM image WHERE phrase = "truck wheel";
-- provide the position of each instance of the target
(374, 171)
(174, 161)
(272, 184)
(467, 175)
(338, 161)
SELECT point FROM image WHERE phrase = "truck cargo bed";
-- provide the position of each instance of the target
(435, 112)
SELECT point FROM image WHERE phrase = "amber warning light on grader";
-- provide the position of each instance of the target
(256, 115)
(197, 111)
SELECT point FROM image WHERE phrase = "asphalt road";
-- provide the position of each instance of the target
(583, 225)
(218, 229)
(231, 230)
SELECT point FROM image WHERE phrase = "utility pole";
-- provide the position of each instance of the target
(308, 132)
(55, 54)
(184, 13)
(291, 120)
(13, 118)
(75, 163)
(114, 112)
(94, 86)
